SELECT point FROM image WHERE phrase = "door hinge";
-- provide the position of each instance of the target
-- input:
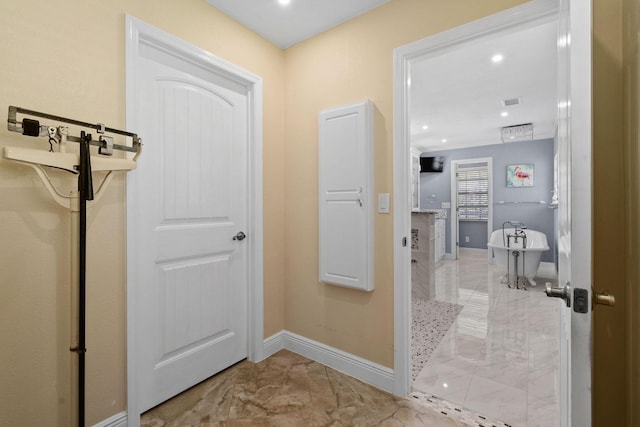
(404, 242)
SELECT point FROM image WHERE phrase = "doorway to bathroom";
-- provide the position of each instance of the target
(482, 294)
(487, 332)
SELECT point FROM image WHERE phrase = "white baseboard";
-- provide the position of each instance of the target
(274, 344)
(118, 420)
(354, 366)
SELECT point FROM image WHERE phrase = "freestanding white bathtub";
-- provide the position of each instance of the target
(528, 258)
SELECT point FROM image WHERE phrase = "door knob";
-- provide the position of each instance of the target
(563, 292)
(604, 298)
(240, 236)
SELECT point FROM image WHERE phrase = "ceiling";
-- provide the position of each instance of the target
(458, 94)
(287, 25)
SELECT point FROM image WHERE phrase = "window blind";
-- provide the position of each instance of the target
(473, 194)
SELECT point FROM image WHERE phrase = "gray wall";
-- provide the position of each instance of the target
(476, 231)
(435, 188)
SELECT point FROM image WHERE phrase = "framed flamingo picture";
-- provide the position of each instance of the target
(520, 175)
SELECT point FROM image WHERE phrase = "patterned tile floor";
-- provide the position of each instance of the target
(500, 356)
(289, 390)
(431, 319)
(498, 361)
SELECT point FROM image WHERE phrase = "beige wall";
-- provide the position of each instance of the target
(347, 64)
(67, 57)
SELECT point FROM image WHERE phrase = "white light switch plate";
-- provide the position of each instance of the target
(383, 203)
(446, 205)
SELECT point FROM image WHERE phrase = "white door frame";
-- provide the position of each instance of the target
(139, 33)
(528, 14)
(455, 249)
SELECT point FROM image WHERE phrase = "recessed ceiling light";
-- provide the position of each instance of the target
(497, 58)
(511, 101)
(425, 127)
(444, 140)
(284, 2)
(504, 113)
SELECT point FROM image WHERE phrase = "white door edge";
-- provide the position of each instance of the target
(137, 33)
(529, 14)
(580, 13)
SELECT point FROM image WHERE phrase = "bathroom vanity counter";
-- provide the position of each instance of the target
(423, 247)
(439, 213)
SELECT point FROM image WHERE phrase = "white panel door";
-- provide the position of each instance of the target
(191, 275)
(345, 196)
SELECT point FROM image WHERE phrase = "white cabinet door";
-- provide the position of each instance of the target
(345, 149)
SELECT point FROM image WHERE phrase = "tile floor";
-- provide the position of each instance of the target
(290, 390)
(498, 361)
(500, 357)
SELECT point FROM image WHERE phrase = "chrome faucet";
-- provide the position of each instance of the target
(519, 233)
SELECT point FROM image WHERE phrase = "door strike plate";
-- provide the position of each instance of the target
(580, 300)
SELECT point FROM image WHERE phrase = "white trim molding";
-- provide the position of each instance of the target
(529, 14)
(354, 366)
(454, 223)
(118, 420)
(274, 344)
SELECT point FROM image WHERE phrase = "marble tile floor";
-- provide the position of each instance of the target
(500, 357)
(290, 390)
(431, 319)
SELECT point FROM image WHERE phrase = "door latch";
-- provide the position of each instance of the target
(563, 292)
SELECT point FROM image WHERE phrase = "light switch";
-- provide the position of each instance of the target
(383, 203)
(446, 205)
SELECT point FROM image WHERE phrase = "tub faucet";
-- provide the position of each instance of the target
(518, 233)
(518, 225)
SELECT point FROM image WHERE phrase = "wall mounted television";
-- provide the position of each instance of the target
(431, 164)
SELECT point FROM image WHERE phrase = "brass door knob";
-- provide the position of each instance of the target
(604, 298)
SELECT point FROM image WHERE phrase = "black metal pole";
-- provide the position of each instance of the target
(85, 188)
(82, 300)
